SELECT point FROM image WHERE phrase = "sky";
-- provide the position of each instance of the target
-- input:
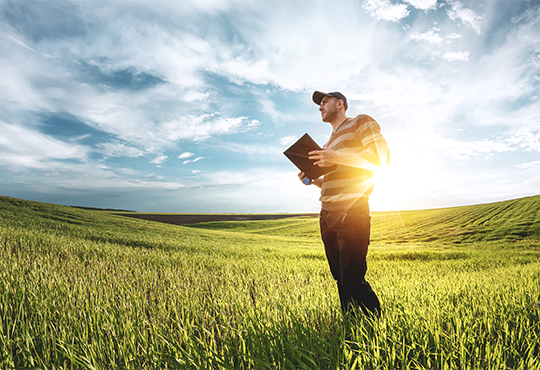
(187, 106)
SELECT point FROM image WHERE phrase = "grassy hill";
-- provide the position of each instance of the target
(460, 288)
(510, 220)
(507, 221)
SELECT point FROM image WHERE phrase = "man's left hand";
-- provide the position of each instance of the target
(324, 158)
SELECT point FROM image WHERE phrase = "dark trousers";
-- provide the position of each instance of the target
(346, 239)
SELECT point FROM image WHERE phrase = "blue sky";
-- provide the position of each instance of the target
(187, 106)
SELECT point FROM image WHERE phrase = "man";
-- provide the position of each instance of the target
(357, 147)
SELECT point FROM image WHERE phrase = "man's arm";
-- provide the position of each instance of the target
(328, 157)
(374, 155)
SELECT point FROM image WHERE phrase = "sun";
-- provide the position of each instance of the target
(394, 184)
(404, 184)
(382, 197)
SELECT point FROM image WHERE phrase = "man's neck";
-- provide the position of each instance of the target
(338, 121)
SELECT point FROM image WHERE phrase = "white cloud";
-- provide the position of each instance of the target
(22, 146)
(530, 14)
(198, 128)
(385, 10)
(195, 96)
(185, 155)
(526, 137)
(398, 90)
(533, 166)
(465, 150)
(255, 149)
(91, 178)
(192, 160)
(423, 4)
(117, 149)
(254, 123)
(453, 36)
(287, 140)
(159, 160)
(432, 36)
(467, 16)
(462, 56)
(146, 117)
(81, 137)
(128, 171)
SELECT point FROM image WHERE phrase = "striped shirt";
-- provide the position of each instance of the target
(347, 187)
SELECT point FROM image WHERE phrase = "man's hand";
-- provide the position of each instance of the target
(316, 182)
(302, 176)
(324, 158)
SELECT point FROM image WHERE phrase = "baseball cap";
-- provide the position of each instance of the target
(318, 96)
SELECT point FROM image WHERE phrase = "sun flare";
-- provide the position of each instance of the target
(394, 184)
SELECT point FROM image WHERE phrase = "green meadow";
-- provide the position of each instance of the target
(460, 289)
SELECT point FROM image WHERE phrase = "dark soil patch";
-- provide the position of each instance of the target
(196, 219)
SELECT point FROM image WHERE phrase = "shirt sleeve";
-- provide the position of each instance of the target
(376, 149)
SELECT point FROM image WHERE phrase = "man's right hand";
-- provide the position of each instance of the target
(302, 176)
(317, 182)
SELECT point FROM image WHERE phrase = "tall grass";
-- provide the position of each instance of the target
(84, 289)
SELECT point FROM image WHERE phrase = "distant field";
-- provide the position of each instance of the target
(460, 289)
(184, 219)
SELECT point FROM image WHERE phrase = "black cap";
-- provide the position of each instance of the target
(318, 96)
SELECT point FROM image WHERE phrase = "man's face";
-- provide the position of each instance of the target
(328, 108)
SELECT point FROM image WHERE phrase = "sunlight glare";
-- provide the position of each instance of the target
(394, 184)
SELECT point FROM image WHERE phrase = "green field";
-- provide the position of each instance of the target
(460, 289)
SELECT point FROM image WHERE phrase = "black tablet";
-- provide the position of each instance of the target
(298, 155)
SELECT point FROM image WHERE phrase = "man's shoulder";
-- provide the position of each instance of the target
(364, 121)
(363, 118)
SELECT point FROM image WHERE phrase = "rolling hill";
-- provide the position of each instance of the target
(507, 221)
(510, 220)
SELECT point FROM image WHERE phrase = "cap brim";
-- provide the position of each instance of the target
(318, 96)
